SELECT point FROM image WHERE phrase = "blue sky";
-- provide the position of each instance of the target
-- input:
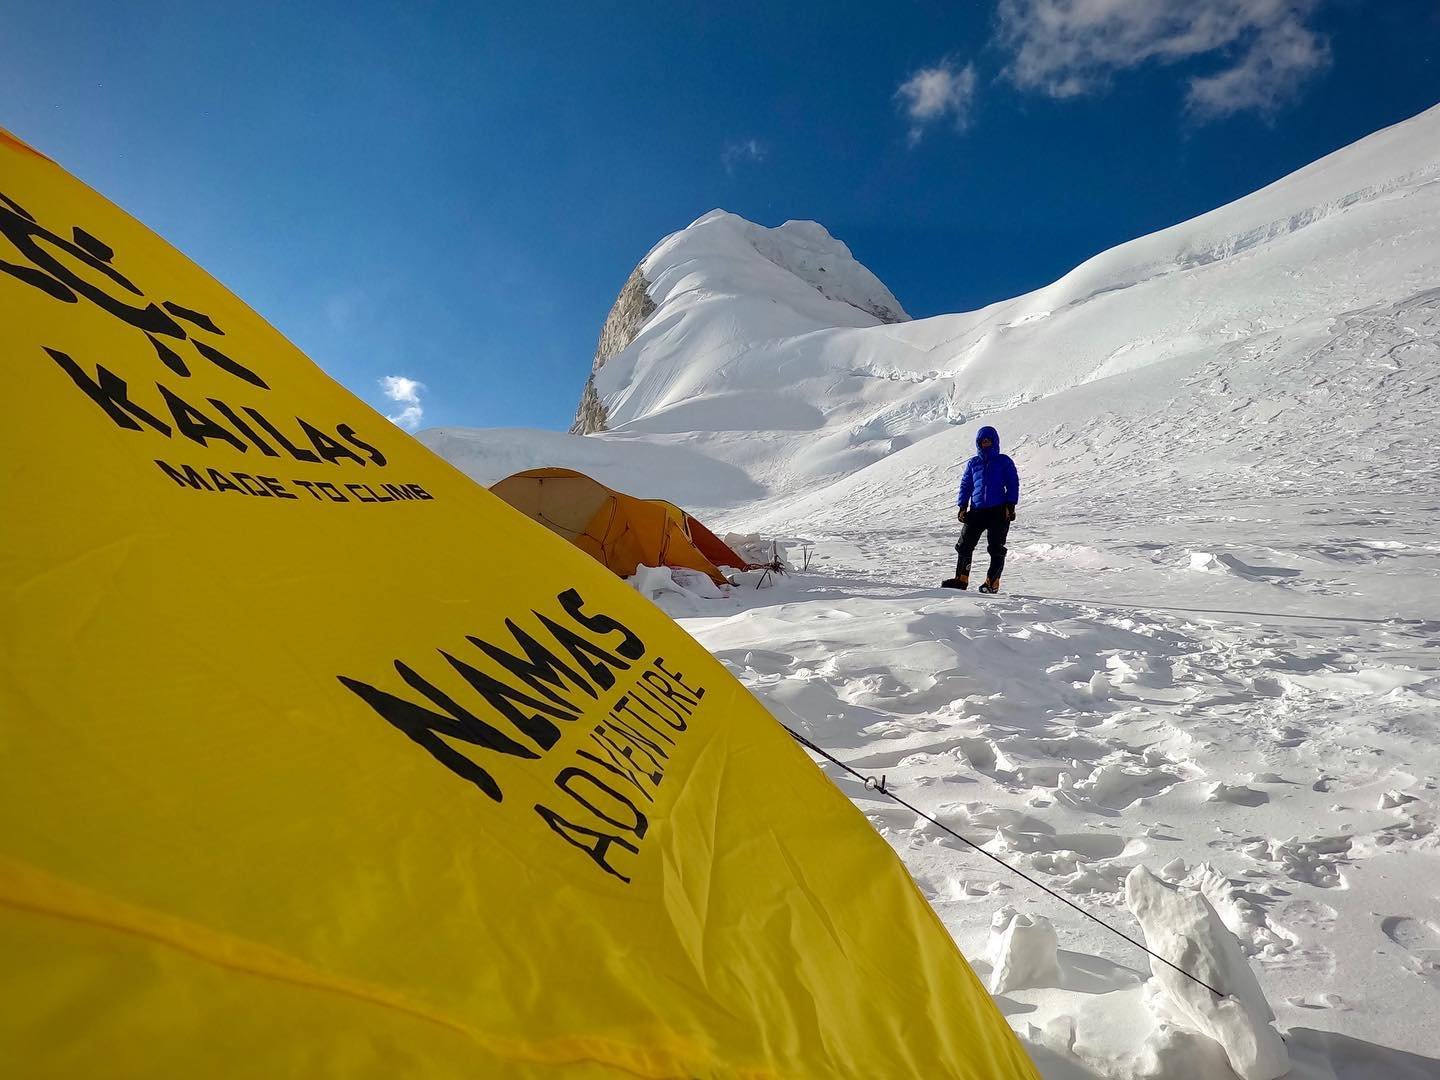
(453, 194)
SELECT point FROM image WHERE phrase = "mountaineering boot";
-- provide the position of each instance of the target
(991, 585)
(961, 582)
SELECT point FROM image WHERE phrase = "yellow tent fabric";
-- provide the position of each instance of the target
(321, 761)
(619, 530)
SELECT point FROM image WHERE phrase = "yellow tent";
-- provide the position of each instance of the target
(322, 761)
(619, 530)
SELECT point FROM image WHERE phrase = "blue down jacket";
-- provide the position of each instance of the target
(990, 478)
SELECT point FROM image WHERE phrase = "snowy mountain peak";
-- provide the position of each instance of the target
(807, 250)
(793, 279)
(732, 327)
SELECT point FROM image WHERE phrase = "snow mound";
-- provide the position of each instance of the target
(656, 582)
(635, 467)
(679, 591)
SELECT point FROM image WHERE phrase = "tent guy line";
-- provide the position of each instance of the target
(1118, 605)
(870, 783)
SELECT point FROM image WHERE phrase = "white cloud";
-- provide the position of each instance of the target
(934, 93)
(1263, 77)
(405, 391)
(739, 153)
(1069, 47)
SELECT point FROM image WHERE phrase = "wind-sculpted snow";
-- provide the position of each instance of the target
(1081, 739)
(1180, 925)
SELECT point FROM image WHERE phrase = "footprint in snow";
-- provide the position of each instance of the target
(1420, 939)
(1317, 1001)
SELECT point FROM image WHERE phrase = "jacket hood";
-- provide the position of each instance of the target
(992, 435)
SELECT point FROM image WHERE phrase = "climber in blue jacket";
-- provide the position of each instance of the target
(989, 490)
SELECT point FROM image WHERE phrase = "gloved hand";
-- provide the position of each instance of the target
(960, 515)
(1009, 511)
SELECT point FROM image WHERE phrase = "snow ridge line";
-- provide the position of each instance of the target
(1237, 243)
(870, 783)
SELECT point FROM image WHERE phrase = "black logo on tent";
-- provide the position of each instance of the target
(51, 271)
(82, 267)
(628, 720)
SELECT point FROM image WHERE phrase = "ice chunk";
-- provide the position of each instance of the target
(1025, 953)
(1389, 800)
(999, 923)
(1175, 869)
(1182, 927)
(1235, 793)
(653, 581)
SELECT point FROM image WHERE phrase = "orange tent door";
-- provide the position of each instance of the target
(712, 547)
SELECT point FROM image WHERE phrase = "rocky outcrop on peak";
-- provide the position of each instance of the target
(629, 312)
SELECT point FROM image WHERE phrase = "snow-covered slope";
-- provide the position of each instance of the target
(1218, 655)
(626, 463)
(742, 339)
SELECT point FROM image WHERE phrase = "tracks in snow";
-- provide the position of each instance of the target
(1265, 761)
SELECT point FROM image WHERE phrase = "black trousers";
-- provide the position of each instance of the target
(992, 520)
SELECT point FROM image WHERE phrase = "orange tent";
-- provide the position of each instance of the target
(707, 543)
(619, 530)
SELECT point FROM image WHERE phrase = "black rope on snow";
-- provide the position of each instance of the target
(871, 784)
(1121, 606)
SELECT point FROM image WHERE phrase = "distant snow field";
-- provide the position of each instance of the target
(1217, 652)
